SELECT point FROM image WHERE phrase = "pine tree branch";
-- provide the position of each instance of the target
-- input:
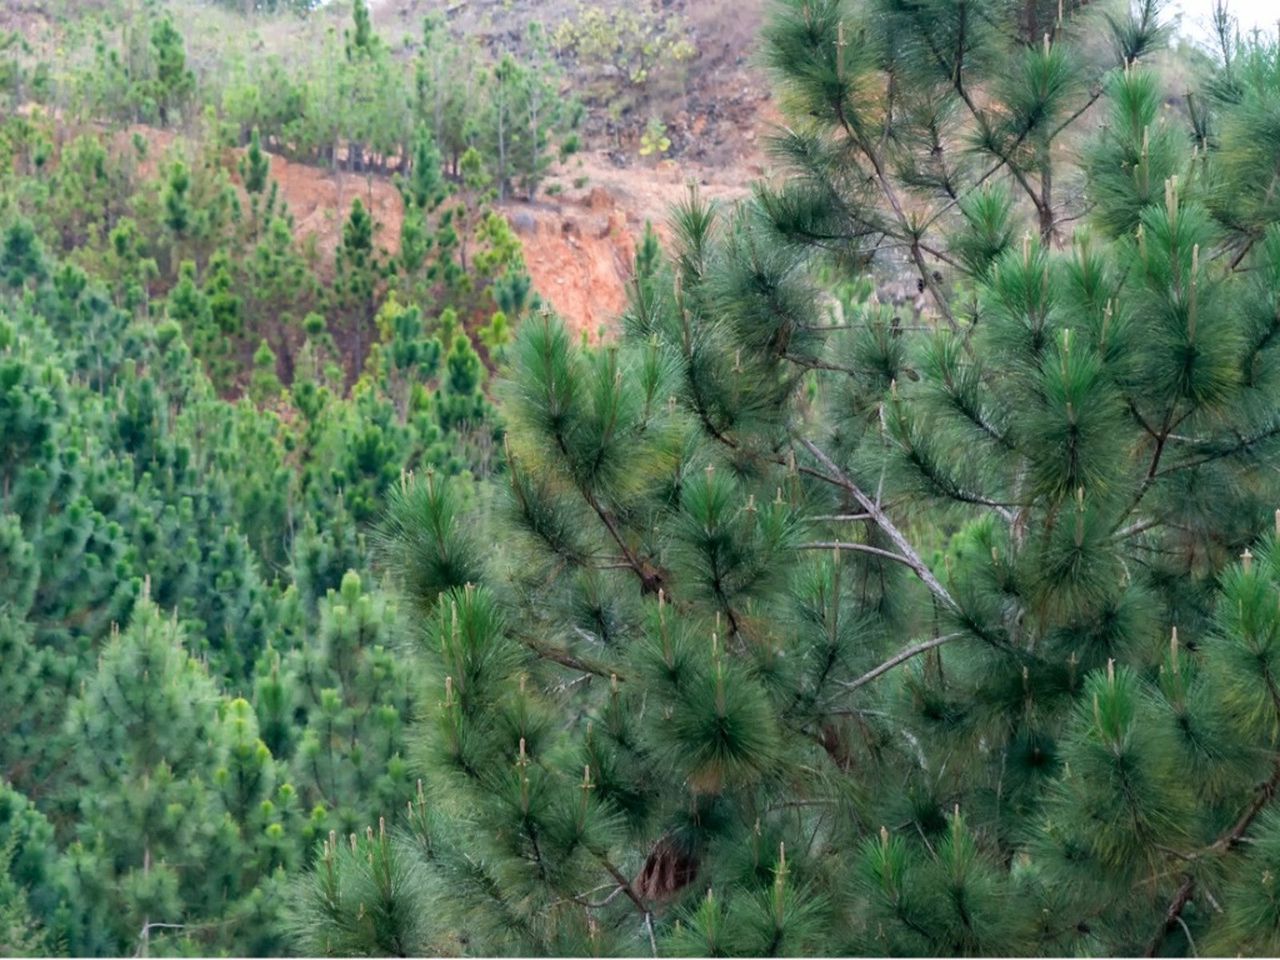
(1244, 252)
(960, 198)
(624, 883)
(1142, 421)
(144, 935)
(1153, 471)
(1190, 939)
(810, 363)
(1045, 155)
(904, 222)
(1094, 96)
(650, 578)
(1172, 914)
(1242, 443)
(581, 898)
(567, 659)
(1140, 527)
(912, 559)
(1253, 237)
(902, 657)
(1223, 844)
(856, 547)
(1004, 155)
(938, 254)
(956, 73)
(695, 387)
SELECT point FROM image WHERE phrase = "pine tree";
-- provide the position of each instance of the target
(26, 862)
(351, 700)
(361, 41)
(177, 210)
(180, 811)
(255, 169)
(820, 629)
(508, 78)
(443, 90)
(173, 83)
(22, 255)
(424, 188)
(358, 272)
(142, 730)
(374, 103)
(526, 110)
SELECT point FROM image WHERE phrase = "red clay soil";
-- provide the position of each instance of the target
(320, 200)
(579, 255)
(579, 246)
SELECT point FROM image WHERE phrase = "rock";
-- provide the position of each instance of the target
(523, 223)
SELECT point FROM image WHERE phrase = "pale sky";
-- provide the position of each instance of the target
(1262, 14)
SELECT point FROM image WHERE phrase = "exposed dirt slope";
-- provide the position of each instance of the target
(580, 242)
(580, 245)
(320, 200)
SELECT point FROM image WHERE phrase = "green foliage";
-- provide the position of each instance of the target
(21, 257)
(782, 622)
(527, 111)
(175, 417)
(364, 897)
(654, 139)
(351, 699)
(20, 932)
(173, 82)
(644, 46)
(424, 188)
(256, 166)
(819, 630)
(25, 867)
(169, 796)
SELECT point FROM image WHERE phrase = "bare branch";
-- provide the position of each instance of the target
(855, 547)
(881, 519)
(902, 657)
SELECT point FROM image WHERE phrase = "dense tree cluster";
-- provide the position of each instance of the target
(200, 417)
(350, 606)
(181, 565)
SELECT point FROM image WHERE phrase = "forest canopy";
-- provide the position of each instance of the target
(897, 574)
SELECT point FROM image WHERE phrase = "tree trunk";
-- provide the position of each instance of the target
(1046, 191)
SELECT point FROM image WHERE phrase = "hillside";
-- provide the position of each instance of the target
(580, 240)
(581, 229)
(509, 478)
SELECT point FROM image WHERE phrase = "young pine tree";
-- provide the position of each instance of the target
(172, 83)
(351, 701)
(179, 816)
(358, 275)
(817, 631)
